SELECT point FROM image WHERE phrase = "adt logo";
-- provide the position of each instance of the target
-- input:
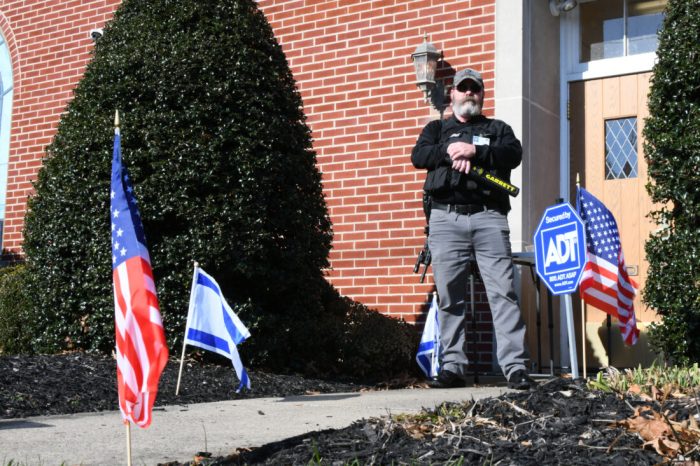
(560, 248)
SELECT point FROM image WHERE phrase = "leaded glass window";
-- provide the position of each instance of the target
(621, 148)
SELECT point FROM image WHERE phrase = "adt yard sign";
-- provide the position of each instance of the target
(560, 248)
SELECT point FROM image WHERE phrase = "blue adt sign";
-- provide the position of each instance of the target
(560, 249)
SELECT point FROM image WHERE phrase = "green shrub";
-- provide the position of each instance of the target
(672, 151)
(377, 347)
(215, 140)
(220, 157)
(17, 322)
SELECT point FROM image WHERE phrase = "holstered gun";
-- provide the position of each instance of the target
(424, 256)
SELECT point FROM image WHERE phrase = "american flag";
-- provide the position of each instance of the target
(605, 283)
(141, 348)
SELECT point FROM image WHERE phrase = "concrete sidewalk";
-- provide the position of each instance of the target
(178, 432)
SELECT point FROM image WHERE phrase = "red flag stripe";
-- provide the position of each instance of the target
(140, 339)
(603, 269)
(601, 300)
(612, 296)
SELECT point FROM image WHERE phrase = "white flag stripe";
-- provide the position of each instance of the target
(628, 303)
(127, 372)
(154, 316)
(602, 278)
(149, 284)
(602, 296)
(119, 315)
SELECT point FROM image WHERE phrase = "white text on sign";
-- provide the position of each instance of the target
(562, 249)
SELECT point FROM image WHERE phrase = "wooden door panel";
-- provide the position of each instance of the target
(592, 103)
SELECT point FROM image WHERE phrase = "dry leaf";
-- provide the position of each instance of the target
(664, 446)
(647, 428)
(635, 389)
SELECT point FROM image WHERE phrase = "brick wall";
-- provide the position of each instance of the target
(352, 64)
(49, 46)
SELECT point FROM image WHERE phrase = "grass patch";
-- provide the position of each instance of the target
(649, 381)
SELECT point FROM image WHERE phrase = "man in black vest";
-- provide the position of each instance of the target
(468, 217)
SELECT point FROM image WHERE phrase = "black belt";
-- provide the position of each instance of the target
(462, 209)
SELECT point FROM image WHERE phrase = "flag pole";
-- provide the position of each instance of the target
(583, 305)
(184, 338)
(126, 423)
(128, 443)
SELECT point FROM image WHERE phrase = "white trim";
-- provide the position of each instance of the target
(564, 121)
(508, 95)
(574, 70)
(613, 67)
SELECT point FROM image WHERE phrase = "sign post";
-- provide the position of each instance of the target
(560, 257)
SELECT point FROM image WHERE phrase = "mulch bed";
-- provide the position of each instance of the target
(80, 382)
(561, 422)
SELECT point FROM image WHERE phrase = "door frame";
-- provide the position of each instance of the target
(571, 70)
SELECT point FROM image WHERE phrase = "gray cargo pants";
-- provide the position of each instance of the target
(452, 238)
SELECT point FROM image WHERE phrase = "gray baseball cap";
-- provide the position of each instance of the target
(468, 73)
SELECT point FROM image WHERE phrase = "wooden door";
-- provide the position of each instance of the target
(606, 123)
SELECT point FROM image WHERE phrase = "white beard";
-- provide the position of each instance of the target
(466, 109)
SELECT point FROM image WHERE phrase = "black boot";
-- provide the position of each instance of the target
(519, 380)
(447, 379)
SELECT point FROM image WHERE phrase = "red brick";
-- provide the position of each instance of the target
(352, 64)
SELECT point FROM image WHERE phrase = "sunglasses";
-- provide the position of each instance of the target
(469, 85)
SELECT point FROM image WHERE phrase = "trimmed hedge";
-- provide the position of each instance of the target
(216, 144)
(17, 321)
(672, 151)
(215, 140)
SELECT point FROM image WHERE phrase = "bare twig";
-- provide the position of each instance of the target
(471, 410)
(518, 408)
(697, 407)
(594, 447)
(542, 418)
(614, 442)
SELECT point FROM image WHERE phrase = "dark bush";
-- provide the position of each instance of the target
(215, 140)
(374, 346)
(17, 320)
(672, 151)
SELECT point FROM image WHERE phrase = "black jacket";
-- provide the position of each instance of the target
(448, 186)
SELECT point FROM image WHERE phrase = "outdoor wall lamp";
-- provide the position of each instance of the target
(425, 60)
(561, 6)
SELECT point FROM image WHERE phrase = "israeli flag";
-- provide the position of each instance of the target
(212, 324)
(429, 349)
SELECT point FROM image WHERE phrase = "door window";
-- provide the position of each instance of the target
(621, 148)
(619, 28)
